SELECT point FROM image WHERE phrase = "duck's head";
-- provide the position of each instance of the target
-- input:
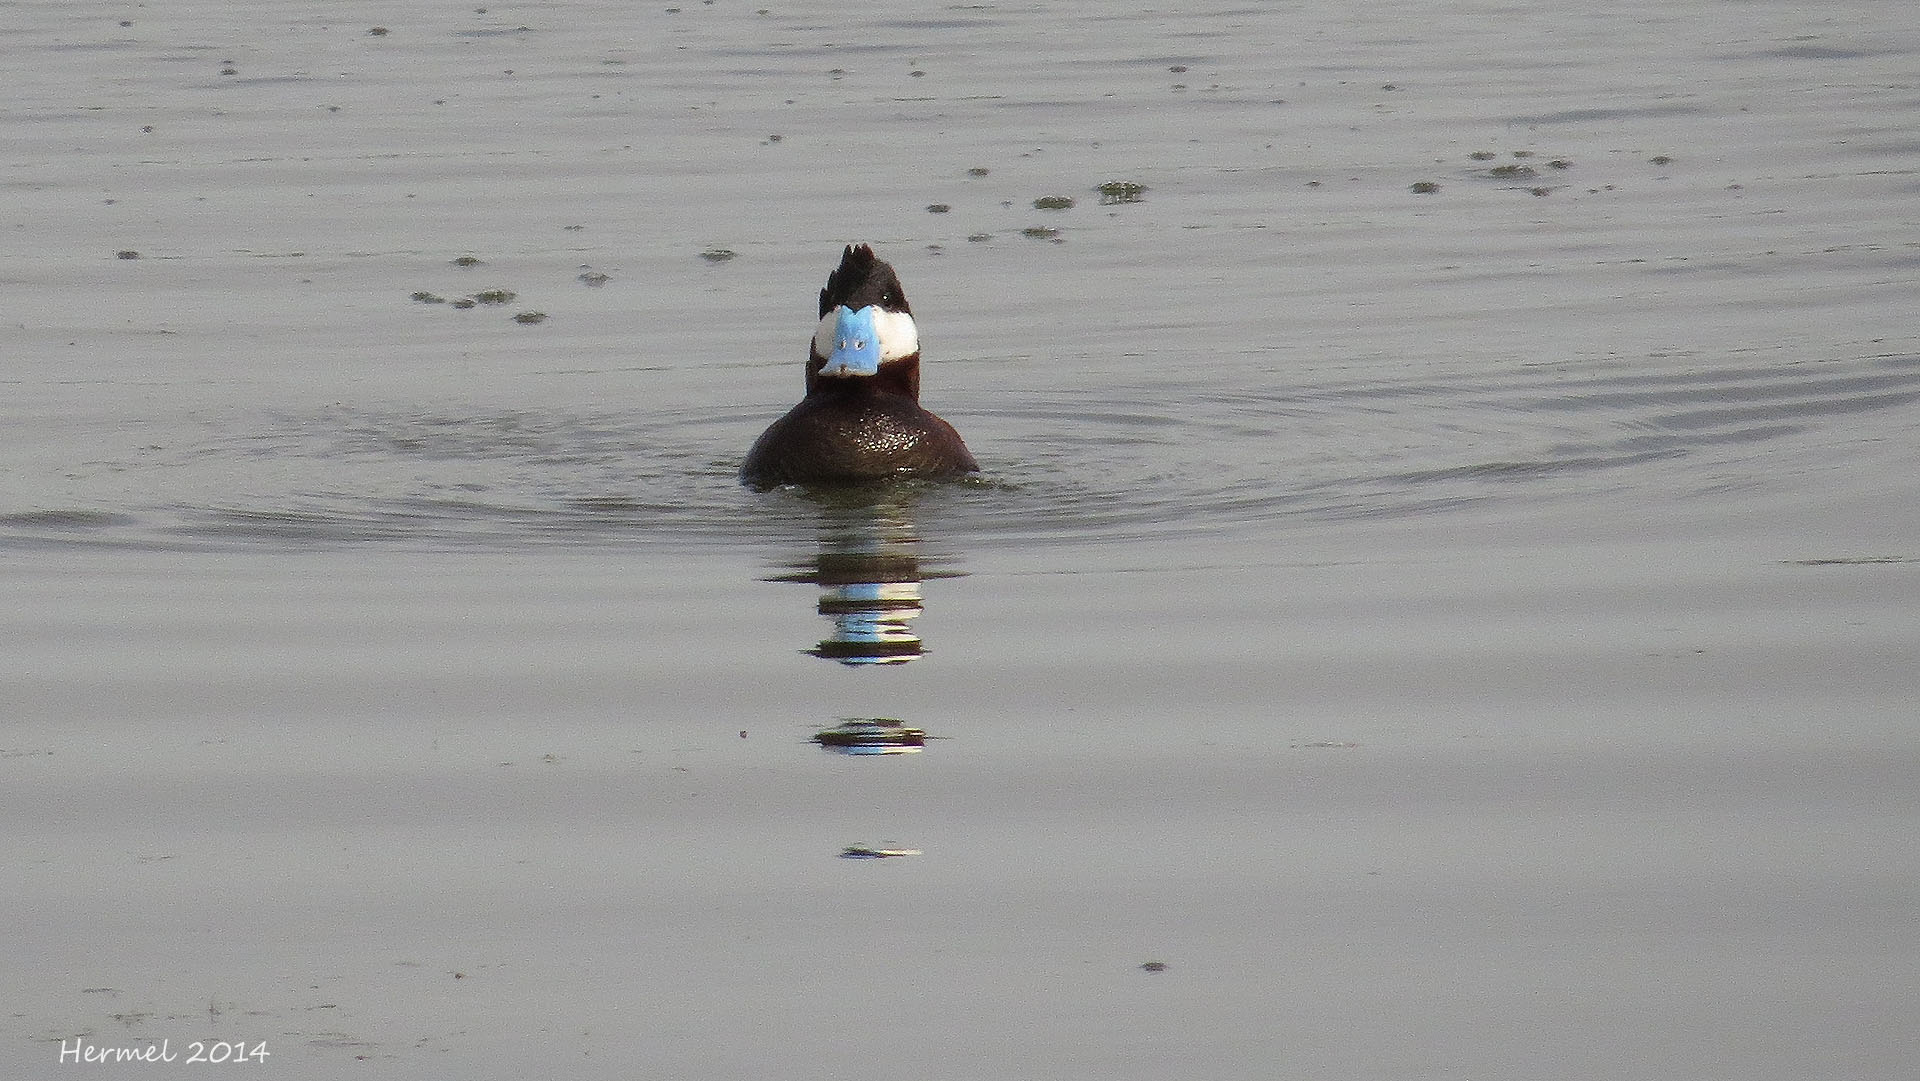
(866, 330)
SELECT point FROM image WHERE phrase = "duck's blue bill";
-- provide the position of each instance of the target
(856, 343)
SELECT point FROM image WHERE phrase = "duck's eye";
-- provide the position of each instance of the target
(886, 296)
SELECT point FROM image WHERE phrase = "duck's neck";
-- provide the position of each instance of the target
(900, 377)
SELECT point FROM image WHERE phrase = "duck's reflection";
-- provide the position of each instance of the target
(872, 735)
(872, 601)
(869, 566)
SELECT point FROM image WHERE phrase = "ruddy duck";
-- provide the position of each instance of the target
(861, 419)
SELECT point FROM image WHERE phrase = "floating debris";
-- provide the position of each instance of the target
(1153, 966)
(468, 261)
(593, 279)
(1053, 202)
(1425, 187)
(978, 170)
(1040, 232)
(126, 253)
(862, 852)
(530, 318)
(425, 297)
(716, 255)
(876, 735)
(1116, 192)
(494, 296)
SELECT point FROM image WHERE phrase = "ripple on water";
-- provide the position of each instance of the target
(1253, 449)
(1211, 459)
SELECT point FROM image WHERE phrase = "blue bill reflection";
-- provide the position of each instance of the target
(869, 569)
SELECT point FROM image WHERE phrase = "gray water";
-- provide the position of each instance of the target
(1457, 633)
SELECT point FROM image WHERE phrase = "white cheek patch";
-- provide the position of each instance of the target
(823, 336)
(898, 335)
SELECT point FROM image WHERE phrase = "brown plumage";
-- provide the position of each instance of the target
(851, 429)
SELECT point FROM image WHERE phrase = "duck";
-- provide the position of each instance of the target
(861, 420)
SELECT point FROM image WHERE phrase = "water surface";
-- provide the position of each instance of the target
(1461, 633)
